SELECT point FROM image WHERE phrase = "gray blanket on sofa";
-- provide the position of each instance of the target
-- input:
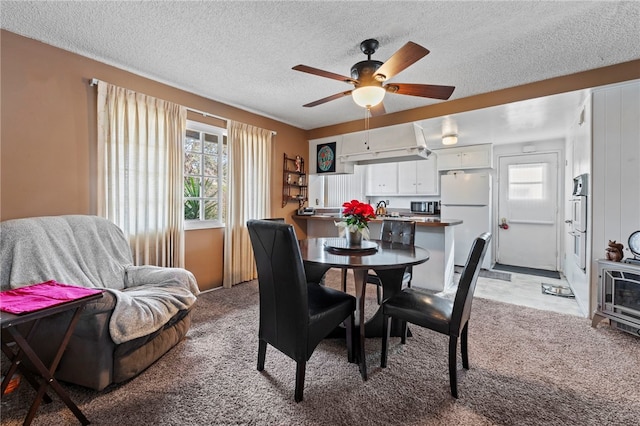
(92, 252)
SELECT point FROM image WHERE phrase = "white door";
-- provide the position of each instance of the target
(528, 206)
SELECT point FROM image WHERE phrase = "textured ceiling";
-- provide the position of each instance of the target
(241, 53)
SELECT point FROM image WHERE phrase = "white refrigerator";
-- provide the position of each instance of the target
(467, 196)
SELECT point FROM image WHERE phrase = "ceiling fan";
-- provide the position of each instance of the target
(369, 77)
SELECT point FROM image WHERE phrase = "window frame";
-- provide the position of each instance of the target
(221, 132)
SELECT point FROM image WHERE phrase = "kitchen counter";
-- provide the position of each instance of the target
(420, 220)
(432, 233)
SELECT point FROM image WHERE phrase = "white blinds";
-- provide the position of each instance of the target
(341, 188)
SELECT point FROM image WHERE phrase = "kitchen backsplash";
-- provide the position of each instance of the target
(399, 202)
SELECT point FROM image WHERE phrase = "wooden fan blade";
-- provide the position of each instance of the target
(377, 110)
(321, 73)
(328, 98)
(423, 90)
(405, 56)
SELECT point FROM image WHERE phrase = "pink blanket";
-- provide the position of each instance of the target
(39, 296)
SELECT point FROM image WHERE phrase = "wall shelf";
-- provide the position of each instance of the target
(294, 181)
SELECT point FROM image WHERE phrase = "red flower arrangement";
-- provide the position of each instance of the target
(356, 217)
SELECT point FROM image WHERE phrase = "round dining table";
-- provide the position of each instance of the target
(388, 260)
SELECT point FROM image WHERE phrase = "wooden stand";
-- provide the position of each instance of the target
(23, 349)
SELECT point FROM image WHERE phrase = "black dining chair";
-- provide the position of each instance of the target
(294, 315)
(393, 231)
(438, 313)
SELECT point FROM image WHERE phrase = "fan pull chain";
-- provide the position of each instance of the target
(367, 114)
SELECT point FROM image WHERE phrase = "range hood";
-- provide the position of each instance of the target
(392, 144)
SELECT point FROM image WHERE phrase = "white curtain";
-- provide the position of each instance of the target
(250, 163)
(140, 162)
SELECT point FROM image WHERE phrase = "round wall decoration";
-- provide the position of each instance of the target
(634, 245)
(326, 158)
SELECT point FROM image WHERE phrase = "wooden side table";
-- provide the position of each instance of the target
(16, 353)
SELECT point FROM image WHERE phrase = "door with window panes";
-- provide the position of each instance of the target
(205, 173)
(528, 204)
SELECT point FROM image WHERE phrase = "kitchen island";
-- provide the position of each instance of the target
(433, 234)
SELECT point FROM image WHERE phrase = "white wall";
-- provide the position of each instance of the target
(578, 153)
(615, 180)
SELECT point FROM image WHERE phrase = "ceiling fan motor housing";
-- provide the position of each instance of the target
(364, 72)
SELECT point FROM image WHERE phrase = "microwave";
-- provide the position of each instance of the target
(428, 207)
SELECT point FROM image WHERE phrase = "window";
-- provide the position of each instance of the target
(205, 174)
(526, 181)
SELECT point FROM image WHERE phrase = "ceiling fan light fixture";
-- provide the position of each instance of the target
(368, 96)
(450, 139)
(368, 78)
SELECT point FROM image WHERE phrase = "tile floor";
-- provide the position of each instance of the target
(526, 290)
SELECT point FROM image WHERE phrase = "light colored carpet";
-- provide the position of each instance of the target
(528, 367)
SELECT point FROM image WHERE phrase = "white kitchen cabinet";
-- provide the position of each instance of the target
(382, 179)
(467, 157)
(407, 178)
(418, 177)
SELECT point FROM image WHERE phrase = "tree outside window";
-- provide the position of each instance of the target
(205, 173)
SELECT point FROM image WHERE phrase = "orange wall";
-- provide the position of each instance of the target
(203, 256)
(48, 139)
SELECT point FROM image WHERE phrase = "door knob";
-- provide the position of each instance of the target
(503, 223)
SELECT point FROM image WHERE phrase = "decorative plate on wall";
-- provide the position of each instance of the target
(326, 155)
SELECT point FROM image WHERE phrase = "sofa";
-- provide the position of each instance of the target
(144, 311)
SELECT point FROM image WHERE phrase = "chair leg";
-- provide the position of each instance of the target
(386, 331)
(262, 352)
(348, 325)
(453, 370)
(344, 280)
(403, 332)
(300, 369)
(379, 293)
(463, 346)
